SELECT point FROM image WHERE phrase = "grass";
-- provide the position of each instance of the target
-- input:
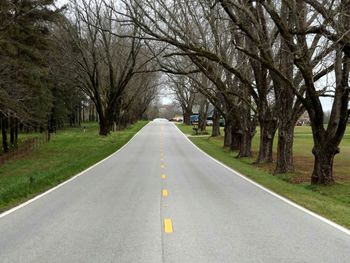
(332, 202)
(69, 152)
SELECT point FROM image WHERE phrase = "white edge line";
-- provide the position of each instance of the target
(325, 220)
(10, 211)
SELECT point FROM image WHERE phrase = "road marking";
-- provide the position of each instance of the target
(165, 193)
(162, 166)
(163, 176)
(69, 180)
(305, 210)
(168, 225)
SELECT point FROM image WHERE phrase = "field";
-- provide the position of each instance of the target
(332, 202)
(48, 164)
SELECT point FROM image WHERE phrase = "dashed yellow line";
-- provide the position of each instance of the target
(165, 193)
(168, 225)
(162, 166)
(163, 176)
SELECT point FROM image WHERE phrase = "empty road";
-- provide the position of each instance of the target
(160, 199)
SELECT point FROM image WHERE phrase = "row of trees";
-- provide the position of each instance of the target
(266, 62)
(58, 63)
(114, 72)
(261, 62)
(29, 94)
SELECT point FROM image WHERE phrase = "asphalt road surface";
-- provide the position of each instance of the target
(162, 200)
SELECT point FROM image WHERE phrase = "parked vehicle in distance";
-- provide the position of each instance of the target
(176, 119)
(194, 118)
(209, 121)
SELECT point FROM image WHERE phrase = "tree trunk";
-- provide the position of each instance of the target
(48, 136)
(267, 134)
(5, 146)
(79, 116)
(216, 124)
(323, 165)
(12, 132)
(289, 108)
(187, 117)
(228, 132)
(247, 129)
(235, 137)
(245, 145)
(16, 133)
(285, 149)
(105, 126)
(203, 113)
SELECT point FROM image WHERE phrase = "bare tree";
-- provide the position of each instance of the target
(194, 28)
(284, 62)
(105, 63)
(185, 94)
(312, 55)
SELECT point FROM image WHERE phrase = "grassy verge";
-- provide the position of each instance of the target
(69, 152)
(331, 202)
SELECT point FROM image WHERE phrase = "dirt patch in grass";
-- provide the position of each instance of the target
(23, 150)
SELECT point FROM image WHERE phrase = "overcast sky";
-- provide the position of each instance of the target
(61, 2)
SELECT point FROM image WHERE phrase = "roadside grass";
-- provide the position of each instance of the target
(69, 152)
(188, 129)
(332, 202)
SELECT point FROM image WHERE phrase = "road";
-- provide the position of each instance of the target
(162, 200)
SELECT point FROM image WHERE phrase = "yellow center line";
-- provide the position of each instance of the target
(168, 225)
(162, 166)
(163, 176)
(165, 193)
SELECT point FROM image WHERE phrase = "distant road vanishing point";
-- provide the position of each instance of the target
(160, 199)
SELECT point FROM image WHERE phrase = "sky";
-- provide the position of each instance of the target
(61, 2)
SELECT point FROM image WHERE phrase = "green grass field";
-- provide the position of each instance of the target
(332, 202)
(69, 152)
